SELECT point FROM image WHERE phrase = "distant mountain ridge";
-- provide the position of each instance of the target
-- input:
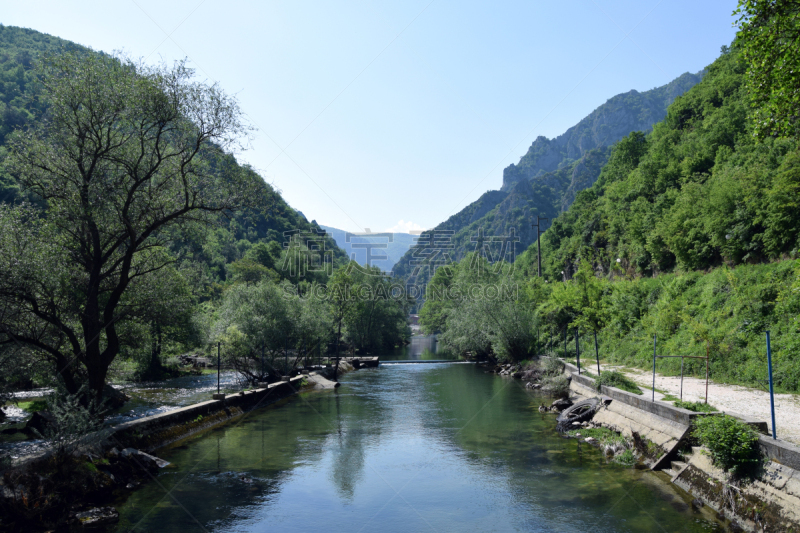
(620, 115)
(547, 178)
(392, 247)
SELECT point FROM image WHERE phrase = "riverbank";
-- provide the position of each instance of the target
(42, 491)
(769, 502)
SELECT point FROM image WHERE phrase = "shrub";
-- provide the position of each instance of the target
(733, 445)
(552, 366)
(74, 425)
(697, 407)
(626, 458)
(618, 380)
(556, 385)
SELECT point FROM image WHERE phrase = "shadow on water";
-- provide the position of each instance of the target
(404, 448)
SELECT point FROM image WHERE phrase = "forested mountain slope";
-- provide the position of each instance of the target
(547, 178)
(696, 193)
(248, 243)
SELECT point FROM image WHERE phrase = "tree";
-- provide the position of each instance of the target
(125, 154)
(769, 35)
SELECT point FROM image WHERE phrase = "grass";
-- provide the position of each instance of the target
(697, 407)
(602, 435)
(617, 380)
(33, 405)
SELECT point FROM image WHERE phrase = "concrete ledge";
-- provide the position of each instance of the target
(153, 432)
(662, 409)
(780, 451)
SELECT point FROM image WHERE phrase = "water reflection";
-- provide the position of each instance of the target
(404, 448)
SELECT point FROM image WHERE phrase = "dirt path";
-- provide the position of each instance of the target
(750, 402)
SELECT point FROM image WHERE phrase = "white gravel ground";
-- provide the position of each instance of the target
(750, 402)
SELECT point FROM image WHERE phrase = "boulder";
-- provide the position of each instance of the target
(39, 423)
(97, 516)
(114, 398)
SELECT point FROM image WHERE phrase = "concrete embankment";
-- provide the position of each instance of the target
(770, 502)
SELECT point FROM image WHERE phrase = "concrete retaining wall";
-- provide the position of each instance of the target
(153, 432)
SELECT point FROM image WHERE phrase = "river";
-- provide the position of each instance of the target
(404, 447)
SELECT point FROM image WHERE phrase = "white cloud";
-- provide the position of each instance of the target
(406, 227)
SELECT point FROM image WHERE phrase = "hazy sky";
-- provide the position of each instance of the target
(398, 114)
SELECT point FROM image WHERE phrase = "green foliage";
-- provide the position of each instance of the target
(33, 405)
(626, 458)
(768, 34)
(76, 424)
(733, 445)
(697, 192)
(697, 407)
(617, 380)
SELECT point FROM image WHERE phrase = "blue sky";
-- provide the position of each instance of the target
(395, 115)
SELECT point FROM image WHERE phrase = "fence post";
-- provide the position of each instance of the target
(597, 354)
(654, 368)
(771, 392)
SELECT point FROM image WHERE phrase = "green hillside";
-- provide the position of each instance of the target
(547, 178)
(690, 234)
(699, 192)
(207, 256)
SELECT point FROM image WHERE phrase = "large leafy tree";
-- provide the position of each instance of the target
(125, 155)
(769, 35)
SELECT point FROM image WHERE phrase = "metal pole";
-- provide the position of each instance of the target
(706, 372)
(681, 378)
(771, 392)
(218, 366)
(577, 352)
(597, 354)
(654, 367)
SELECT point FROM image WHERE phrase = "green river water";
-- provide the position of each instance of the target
(404, 447)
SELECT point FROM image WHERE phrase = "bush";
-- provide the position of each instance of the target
(697, 407)
(556, 385)
(733, 445)
(617, 380)
(74, 425)
(552, 366)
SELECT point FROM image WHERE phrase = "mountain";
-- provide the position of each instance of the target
(697, 193)
(546, 180)
(254, 234)
(389, 245)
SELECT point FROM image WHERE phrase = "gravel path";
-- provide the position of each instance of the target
(743, 400)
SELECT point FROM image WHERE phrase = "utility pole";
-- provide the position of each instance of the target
(538, 226)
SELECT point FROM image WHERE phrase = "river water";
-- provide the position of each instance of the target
(404, 447)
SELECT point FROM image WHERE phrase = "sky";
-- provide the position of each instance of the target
(395, 115)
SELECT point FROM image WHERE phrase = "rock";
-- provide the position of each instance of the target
(589, 440)
(113, 453)
(40, 422)
(561, 404)
(697, 503)
(130, 486)
(127, 452)
(577, 434)
(576, 424)
(2, 415)
(114, 398)
(542, 408)
(98, 516)
(159, 461)
(517, 374)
